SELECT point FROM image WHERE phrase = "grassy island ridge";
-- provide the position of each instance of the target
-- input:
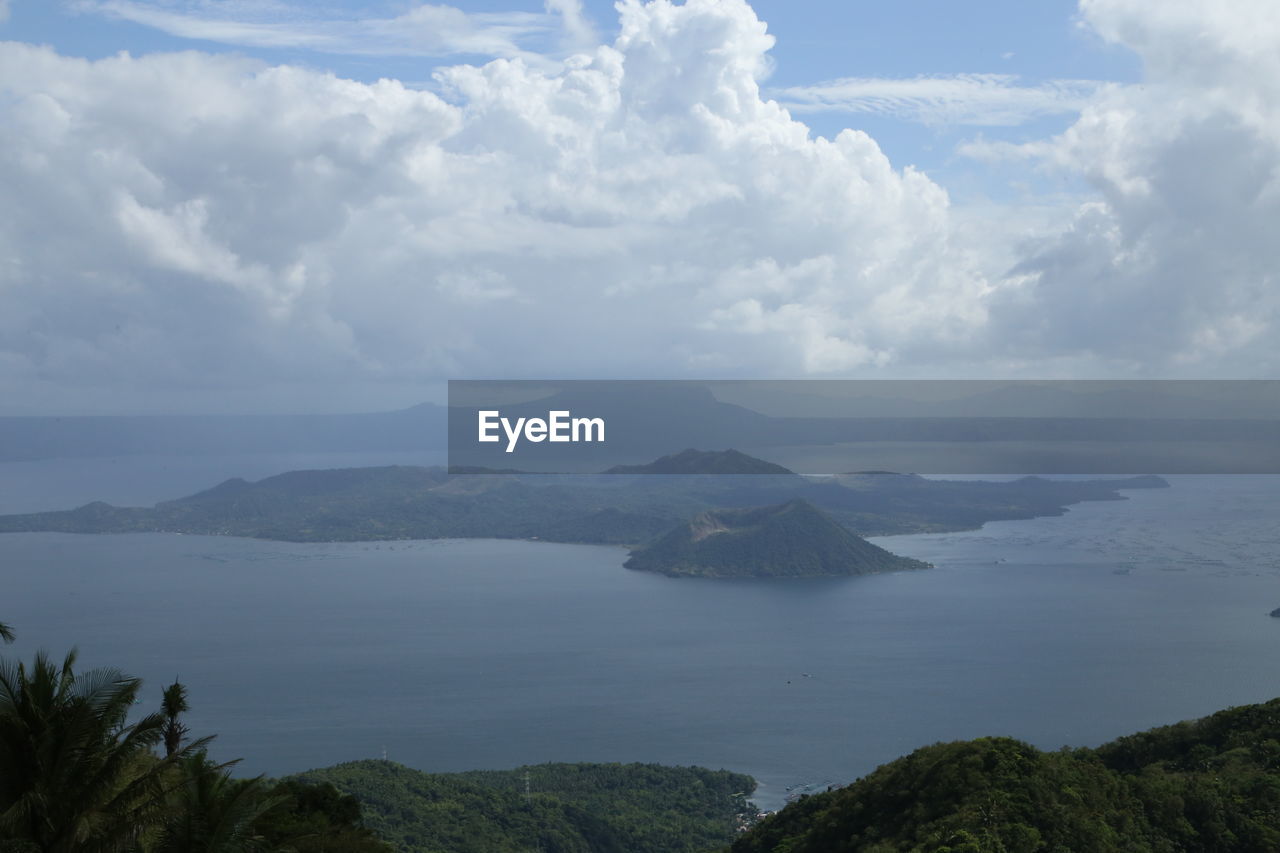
(400, 502)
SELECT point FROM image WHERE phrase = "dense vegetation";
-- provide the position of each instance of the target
(794, 539)
(78, 776)
(1209, 786)
(570, 808)
(360, 504)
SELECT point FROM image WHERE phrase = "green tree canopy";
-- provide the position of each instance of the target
(75, 775)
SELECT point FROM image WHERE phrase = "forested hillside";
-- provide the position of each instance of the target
(569, 808)
(1208, 786)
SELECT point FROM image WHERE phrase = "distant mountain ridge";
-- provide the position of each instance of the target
(418, 428)
(794, 539)
(704, 462)
(1114, 432)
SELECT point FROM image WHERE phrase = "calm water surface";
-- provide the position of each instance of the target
(456, 655)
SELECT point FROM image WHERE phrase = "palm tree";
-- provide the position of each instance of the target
(214, 813)
(75, 775)
(173, 705)
(6, 633)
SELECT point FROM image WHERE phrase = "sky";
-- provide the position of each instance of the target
(268, 205)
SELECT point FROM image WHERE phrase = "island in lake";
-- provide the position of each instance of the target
(636, 507)
(795, 539)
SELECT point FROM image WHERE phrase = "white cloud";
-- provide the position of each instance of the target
(967, 99)
(639, 210)
(1173, 266)
(423, 29)
(580, 32)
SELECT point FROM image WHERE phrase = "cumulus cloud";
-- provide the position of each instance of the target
(1173, 263)
(640, 210)
(636, 209)
(964, 99)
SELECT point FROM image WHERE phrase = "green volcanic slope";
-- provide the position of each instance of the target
(794, 539)
(570, 808)
(1208, 786)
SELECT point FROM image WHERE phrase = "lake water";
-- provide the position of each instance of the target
(455, 655)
